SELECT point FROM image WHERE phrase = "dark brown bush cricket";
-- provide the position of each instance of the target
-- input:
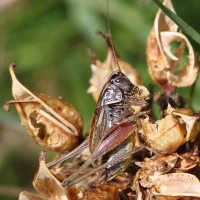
(111, 137)
(111, 129)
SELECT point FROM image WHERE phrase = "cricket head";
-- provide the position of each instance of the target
(120, 80)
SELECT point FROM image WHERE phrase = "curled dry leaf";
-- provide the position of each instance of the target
(52, 122)
(103, 192)
(162, 70)
(101, 71)
(169, 133)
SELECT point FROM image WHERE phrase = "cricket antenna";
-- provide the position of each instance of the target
(110, 36)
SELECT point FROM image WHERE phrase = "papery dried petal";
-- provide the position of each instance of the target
(166, 136)
(179, 126)
(52, 122)
(45, 183)
(162, 71)
(155, 61)
(188, 75)
(103, 192)
(189, 121)
(73, 191)
(176, 184)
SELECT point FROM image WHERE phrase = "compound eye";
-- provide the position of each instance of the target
(113, 75)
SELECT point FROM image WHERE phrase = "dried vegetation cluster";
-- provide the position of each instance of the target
(170, 172)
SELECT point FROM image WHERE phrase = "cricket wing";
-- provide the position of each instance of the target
(110, 142)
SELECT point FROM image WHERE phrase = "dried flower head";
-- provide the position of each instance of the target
(52, 122)
(162, 70)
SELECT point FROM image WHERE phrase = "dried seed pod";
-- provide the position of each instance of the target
(52, 122)
(46, 184)
(162, 70)
(178, 127)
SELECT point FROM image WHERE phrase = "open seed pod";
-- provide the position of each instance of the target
(161, 69)
(178, 127)
(52, 122)
(48, 185)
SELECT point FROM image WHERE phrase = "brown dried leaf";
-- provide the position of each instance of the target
(163, 33)
(52, 122)
(103, 192)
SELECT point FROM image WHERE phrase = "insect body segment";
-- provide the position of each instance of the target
(114, 170)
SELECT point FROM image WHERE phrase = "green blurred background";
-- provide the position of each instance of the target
(48, 41)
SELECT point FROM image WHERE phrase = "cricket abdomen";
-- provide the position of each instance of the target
(112, 171)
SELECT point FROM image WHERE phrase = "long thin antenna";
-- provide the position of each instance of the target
(111, 37)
